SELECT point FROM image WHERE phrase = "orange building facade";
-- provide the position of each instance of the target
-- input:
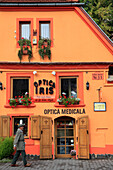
(81, 64)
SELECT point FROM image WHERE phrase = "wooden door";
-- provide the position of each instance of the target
(46, 138)
(4, 126)
(83, 138)
(64, 137)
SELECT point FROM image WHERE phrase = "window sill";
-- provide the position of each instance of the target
(19, 106)
(76, 105)
(108, 85)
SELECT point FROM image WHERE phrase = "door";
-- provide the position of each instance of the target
(64, 137)
(46, 138)
(83, 138)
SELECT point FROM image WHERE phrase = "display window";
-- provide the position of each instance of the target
(20, 120)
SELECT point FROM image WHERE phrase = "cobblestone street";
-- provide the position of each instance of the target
(63, 164)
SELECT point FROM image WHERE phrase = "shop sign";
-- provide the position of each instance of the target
(99, 106)
(44, 87)
(64, 111)
(97, 76)
(44, 98)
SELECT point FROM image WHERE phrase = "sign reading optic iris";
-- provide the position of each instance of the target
(48, 86)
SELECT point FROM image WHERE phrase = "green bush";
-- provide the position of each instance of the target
(6, 147)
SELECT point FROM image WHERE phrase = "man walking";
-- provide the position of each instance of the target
(19, 146)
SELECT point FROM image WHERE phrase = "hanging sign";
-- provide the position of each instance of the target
(99, 106)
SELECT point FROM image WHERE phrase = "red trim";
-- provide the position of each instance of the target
(17, 29)
(108, 149)
(36, 9)
(20, 106)
(51, 28)
(80, 83)
(78, 105)
(93, 28)
(53, 67)
(8, 83)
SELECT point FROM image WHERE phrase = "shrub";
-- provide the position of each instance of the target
(6, 147)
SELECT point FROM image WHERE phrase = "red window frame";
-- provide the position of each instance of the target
(17, 28)
(80, 86)
(51, 28)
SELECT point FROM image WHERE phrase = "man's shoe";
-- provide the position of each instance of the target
(14, 165)
(27, 165)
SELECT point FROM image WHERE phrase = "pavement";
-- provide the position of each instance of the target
(62, 164)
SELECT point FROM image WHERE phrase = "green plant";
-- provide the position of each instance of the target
(44, 48)
(25, 45)
(26, 100)
(13, 102)
(67, 100)
(6, 147)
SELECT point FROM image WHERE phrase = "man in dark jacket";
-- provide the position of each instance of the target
(19, 146)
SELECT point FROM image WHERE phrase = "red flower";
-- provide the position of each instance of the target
(31, 98)
(65, 97)
(8, 101)
(60, 96)
(22, 37)
(21, 96)
(18, 96)
(15, 96)
(66, 101)
(13, 106)
(69, 102)
(24, 46)
(59, 99)
(72, 96)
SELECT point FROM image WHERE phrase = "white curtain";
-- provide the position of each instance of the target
(45, 32)
(25, 31)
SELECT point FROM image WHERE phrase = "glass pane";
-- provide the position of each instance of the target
(60, 141)
(60, 124)
(18, 121)
(60, 132)
(69, 124)
(61, 150)
(20, 86)
(25, 31)
(68, 149)
(69, 141)
(69, 132)
(73, 87)
(69, 86)
(45, 32)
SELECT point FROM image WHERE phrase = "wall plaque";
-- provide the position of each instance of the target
(99, 106)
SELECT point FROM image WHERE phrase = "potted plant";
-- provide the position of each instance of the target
(73, 154)
(44, 48)
(25, 48)
(67, 101)
(26, 100)
(13, 102)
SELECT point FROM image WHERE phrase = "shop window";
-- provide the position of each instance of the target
(24, 30)
(19, 86)
(69, 86)
(44, 30)
(20, 120)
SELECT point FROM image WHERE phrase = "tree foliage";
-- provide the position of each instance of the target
(102, 13)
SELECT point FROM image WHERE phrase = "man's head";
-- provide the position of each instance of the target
(21, 126)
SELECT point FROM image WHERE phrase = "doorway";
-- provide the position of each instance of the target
(65, 134)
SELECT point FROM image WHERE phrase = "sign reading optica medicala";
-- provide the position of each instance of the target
(64, 111)
(100, 106)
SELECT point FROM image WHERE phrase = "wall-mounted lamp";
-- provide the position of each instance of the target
(54, 73)
(34, 72)
(87, 85)
(1, 88)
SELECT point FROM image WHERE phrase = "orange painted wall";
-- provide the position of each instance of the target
(73, 41)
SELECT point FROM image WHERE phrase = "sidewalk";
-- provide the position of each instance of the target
(63, 164)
